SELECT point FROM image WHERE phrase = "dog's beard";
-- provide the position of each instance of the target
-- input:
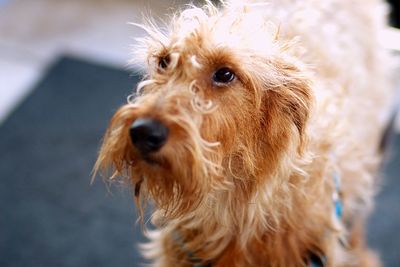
(178, 176)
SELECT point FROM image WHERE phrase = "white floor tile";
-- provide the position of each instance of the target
(16, 81)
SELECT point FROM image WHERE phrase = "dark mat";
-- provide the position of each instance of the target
(395, 14)
(383, 230)
(49, 213)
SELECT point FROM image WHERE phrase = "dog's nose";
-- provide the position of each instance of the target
(148, 135)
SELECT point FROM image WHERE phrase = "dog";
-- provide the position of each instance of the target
(255, 133)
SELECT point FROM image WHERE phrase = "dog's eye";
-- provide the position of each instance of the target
(163, 62)
(223, 75)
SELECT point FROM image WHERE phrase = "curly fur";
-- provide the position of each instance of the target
(246, 175)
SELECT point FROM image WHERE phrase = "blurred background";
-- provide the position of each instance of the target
(63, 72)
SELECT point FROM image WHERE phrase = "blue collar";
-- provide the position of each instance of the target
(317, 260)
(337, 202)
(321, 261)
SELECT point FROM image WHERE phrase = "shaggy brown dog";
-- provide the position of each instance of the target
(255, 133)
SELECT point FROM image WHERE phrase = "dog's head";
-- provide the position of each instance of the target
(223, 107)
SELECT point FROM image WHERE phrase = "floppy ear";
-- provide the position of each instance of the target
(287, 100)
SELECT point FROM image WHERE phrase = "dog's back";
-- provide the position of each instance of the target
(353, 87)
(340, 41)
(354, 91)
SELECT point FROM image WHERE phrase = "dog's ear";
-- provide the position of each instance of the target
(287, 101)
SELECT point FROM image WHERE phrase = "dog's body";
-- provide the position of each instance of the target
(256, 112)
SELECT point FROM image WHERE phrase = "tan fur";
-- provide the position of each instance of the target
(245, 178)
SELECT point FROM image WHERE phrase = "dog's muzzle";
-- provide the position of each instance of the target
(148, 135)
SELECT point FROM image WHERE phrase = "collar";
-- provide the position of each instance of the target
(317, 260)
(337, 202)
(195, 261)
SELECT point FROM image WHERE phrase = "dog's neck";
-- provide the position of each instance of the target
(230, 223)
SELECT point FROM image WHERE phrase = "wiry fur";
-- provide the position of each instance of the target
(245, 178)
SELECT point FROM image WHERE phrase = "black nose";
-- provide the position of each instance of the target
(148, 135)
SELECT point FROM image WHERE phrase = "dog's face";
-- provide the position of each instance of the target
(219, 110)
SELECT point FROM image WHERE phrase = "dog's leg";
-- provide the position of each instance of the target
(357, 243)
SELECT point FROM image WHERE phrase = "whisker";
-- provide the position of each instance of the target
(143, 84)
